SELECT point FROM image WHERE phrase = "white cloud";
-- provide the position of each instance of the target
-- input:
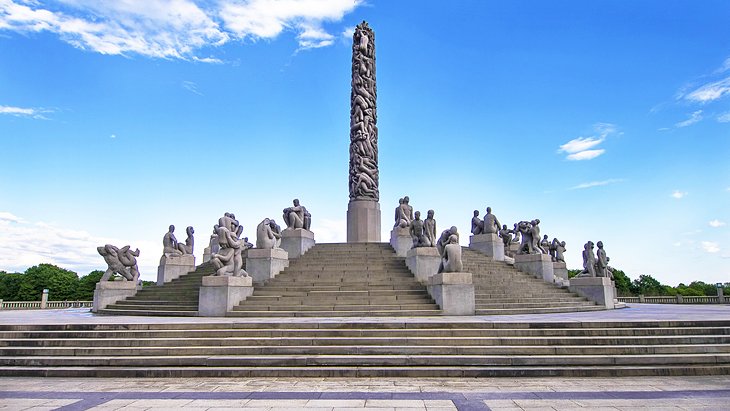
(191, 87)
(113, 136)
(724, 117)
(596, 183)
(579, 144)
(679, 194)
(585, 155)
(580, 148)
(711, 247)
(331, 231)
(710, 92)
(173, 28)
(36, 113)
(6, 218)
(716, 223)
(694, 118)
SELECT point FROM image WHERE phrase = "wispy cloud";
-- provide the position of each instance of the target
(716, 223)
(191, 87)
(597, 183)
(582, 148)
(711, 247)
(710, 91)
(694, 118)
(36, 113)
(173, 28)
(724, 117)
(679, 194)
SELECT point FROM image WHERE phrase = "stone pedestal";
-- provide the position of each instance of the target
(560, 271)
(218, 295)
(539, 265)
(263, 264)
(206, 254)
(453, 292)
(109, 292)
(514, 248)
(296, 241)
(489, 244)
(363, 222)
(423, 262)
(598, 289)
(172, 267)
(401, 241)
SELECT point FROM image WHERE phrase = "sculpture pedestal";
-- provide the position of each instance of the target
(263, 264)
(560, 271)
(363, 221)
(453, 292)
(109, 292)
(218, 295)
(423, 262)
(514, 248)
(296, 241)
(172, 267)
(489, 244)
(401, 241)
(539, 265)
(599, 289)
(206, 254)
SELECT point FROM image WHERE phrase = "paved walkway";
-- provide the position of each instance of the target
(640, 393)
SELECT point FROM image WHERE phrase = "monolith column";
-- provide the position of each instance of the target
(363, 211)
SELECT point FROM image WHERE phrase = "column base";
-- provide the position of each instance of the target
(539, 265)
(599, 289)
(401, 241)
(219, 294)
(263, 264)
(109, 292)
(488, 244)
(423, 262)
(296, 241)
(560, 271)
(363, 221)
(453, 292)
(173, 266)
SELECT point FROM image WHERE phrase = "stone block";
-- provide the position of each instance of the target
(206, 254)
(172, 267)
(363, 222)
(453, 292)
(489, 244)
(263, 264)
(219, 294)
(539, 265)
(599, 289)
(560, 271)
(423, 262)
(514, 248)
(401, 241)
(296, 241)
(109, 292)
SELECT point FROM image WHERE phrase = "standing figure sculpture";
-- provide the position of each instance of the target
(213, 243)
(545, 244)
(122, 262)
(429, 224)
(403, 213)
(363, 117)
(266, 237)
(517, 233)
(535, 236)
(601, 261)
(297, 216)
(589, 261)
(169, 243)
(527, 245)
(418, 232)
(187, 248)
(559, 250)
(491, 224)
(477, 225)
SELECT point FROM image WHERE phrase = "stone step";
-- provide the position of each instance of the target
(285, 292)
(268, 299)
(310, 306)
(155, 313)
(545, 310)
(553, 304)
(166, 306)
(383, 313)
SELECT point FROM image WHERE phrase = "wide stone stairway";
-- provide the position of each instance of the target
(357, 279)
(502, 289)
(394, 348)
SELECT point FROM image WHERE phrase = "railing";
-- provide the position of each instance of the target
(678, 299)
(37, 305)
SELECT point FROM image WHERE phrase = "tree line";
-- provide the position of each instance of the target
(645, 284)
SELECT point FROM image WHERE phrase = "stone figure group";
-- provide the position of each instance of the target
(490, 224)
(556, 249)
(403, 213)
(171, 247)
(268, 234)
(595, 265)
(297, 216)
(119, 261)
(450, 251)
(529, 232)
(228, 261)
(363, 117)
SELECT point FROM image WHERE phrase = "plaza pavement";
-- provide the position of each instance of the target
(628, 393)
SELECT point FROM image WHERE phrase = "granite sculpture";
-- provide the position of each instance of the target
(477, 225)
(545, 244)
(517, 234)
(169, 243)
(297, 216)
(535, 236)
(451, 259)
(119, 261)
(418, 232)
(490, 225)
(589, 261)
(266, 237)
(506, 235)
(403, 213)
(429, 225)
(187, 248)
(445, 238)
(601, 261)
(557, 248)
(363, 117)
(213, 245)
(228, 261)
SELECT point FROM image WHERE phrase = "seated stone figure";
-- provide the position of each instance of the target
(545, 244)
(429, 225)
(187, 248)
(297, 216)
(451, 260)
(122, 262)
(169, 243)
(228, 261)
(589, 261)
(418, 232)
(403, 213)
(490, 223)
(444, 239)
(477, 225)
(266, 238)
(601, 261)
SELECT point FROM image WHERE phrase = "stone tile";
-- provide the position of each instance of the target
(209, 403)
(336, 403)
(277, 403)
(438, 403)
(396, 403)
(150, 403)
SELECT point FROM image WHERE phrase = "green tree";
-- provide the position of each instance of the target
(623, 282)
(61, 283)
(10, 285)
(573, 273)
(87, 284)
(647, 285)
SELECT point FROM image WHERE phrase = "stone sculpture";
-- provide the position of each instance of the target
(559, 250)
(451, 259)
(518, 235)
(589, 261)
(277, 232)
(187, 248)
(545, 244)
(297, 216)
(526, 244)
(266, 237)
(535, 236)
(403, 213)
(228, 261)
(477, 225)
(169, 243)
(429, 225)
(363, 117)
(490, 223)
(444, 239)
(119, 261)
(506, 235)
(213, 244)
(601, 261)
(418, 232)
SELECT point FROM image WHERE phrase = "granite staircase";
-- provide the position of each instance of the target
(502, 289)
(407, 347)
(341, 280)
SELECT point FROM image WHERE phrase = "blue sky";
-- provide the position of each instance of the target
(608, 120)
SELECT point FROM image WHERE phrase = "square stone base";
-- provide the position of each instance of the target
(599, 289)
(489, 244)
(206, 254)
(363, 222)
(296, 241)
(560, 271)
(401, 241)
(172, 267)
(263, 264)
(423, 262)
(539, 265)
(109, 292)
(453, 292)
(219, 294)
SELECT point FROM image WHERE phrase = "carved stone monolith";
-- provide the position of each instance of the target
(363, 211)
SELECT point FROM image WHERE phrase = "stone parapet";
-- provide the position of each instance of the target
(401, 241)
(296, 241)
(174, 266)
(489, 244)
(539, 265)
(599, 289)
(453, 292)
(219, 294)
(110, 292)
(423, 262)
(263, 264)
